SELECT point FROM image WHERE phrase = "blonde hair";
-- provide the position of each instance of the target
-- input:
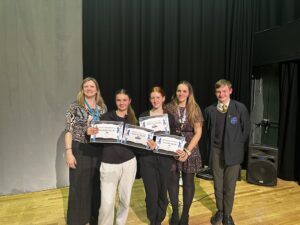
(80, 95)
(223, 82)
(192, 106)
(130, 112)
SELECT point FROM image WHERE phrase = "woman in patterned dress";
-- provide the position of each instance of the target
(188, 123)
(82, 157)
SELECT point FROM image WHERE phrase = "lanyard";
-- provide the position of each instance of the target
(182, 118)
(92, 112)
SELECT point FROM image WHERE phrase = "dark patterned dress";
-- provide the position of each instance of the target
(194, 163)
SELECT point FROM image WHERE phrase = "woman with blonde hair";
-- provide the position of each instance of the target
(188, 123)
(82, 157)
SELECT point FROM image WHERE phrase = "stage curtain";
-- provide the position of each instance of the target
(135, 44)
(289, 122)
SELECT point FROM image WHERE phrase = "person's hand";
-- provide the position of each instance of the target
(92, 130)
(182, 155)
(70, 159)
(152, 144)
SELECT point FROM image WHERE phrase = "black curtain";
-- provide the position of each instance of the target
(135, 44)
(269, 14)
(273, 13)
(289, 122)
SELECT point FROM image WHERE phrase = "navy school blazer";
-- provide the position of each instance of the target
(236, 130)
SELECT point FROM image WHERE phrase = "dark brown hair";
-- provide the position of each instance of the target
(130, 112)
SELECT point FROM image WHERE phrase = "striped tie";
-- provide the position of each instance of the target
(224, 108)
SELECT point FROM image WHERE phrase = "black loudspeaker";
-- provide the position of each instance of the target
(262, 165)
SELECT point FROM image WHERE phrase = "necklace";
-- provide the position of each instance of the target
(182, 119)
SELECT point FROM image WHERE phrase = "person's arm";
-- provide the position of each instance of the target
(196, 137)
(70, 159)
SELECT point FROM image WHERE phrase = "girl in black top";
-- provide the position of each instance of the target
(118, 167)
(155, 168)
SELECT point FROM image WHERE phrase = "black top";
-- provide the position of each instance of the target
(116, 153)
(219, 129)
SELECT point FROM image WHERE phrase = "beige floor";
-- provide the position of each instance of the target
(254, 205)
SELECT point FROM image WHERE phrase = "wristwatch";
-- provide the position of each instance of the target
(187, 151)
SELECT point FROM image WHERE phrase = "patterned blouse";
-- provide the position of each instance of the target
(78, 121)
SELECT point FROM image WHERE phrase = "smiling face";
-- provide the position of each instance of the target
(223, 93)
(89, 89)
(122, 101)
(156, 100)
(182, 93)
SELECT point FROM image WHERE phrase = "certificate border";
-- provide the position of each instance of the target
(166, 152)
(149, 117)
(108, 140)
(133, 144)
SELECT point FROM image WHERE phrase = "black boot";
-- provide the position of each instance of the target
(227, 220)
(217, 218)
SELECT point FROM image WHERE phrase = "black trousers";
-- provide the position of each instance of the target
(225, 178)
(155, 171)
(84, 191)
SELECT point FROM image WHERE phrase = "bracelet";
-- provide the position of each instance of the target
(68, 149)
(187, 151)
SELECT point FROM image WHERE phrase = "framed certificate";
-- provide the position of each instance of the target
(109, 132)
(159, 124)
(169, 144)
(137, 136)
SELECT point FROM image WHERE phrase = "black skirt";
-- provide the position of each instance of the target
(84, 191)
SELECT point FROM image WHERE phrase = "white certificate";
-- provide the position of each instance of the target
(169, 144)
(109, 132)
(136, 136)
(159, 124)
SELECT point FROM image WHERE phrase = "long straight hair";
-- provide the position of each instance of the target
(98, 98)
(130, 112)
(192, 106)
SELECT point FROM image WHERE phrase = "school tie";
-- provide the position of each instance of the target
(224, 108)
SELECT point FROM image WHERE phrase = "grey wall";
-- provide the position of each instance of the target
(40, 74)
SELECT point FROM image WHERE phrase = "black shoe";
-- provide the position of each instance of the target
(227, 220)
(205, 174)
(217, 218)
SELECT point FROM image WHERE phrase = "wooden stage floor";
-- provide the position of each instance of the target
(254, 205)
